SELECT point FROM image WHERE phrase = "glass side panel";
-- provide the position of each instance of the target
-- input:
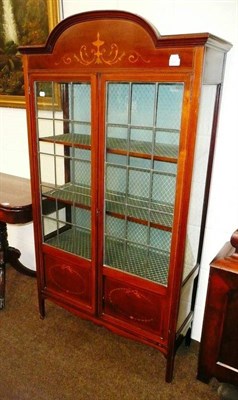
(142, 138)
(201, 159)
(63, 117)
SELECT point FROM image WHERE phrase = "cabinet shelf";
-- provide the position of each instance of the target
(73, 241)
(140, 209)
(70, 194)
(142, 261)
(70, 139)
(143, 149)
(137, 148)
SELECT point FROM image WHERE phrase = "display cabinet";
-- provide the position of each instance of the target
(122, 125)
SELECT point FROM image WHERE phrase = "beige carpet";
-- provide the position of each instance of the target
(65, 358)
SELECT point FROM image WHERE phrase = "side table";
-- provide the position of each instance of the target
(15, 208)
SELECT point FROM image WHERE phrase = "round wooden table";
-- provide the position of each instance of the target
(15, 208)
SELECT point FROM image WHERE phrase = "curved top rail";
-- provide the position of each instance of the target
(195, 39)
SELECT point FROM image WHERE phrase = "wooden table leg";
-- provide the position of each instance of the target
(9, 255)
(12, 257)
(2, 283)
(3, 248)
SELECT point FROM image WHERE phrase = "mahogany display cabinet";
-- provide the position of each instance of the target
(122, 125)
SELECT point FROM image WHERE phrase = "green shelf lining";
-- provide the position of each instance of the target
(113, 144)
(117, 203)
(69, 139)
(140, 208)
(142, 147)
(137, 260)
(71, 193)
(73, 241)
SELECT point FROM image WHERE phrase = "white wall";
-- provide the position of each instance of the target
(219, 17)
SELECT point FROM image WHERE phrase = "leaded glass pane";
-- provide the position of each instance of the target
(169, 106)
(142, 103)
(163, 189)
(139, 183)
(118, 103)
(142, 138)
(63, 113)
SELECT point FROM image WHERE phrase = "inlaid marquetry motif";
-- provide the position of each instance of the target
(99, 53)
(137, 306)
(63, 275)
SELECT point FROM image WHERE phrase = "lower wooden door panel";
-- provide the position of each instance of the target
(70, 280)
(141, 308)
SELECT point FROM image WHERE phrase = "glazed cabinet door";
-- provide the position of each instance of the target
(64, 125)
(142, 126)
